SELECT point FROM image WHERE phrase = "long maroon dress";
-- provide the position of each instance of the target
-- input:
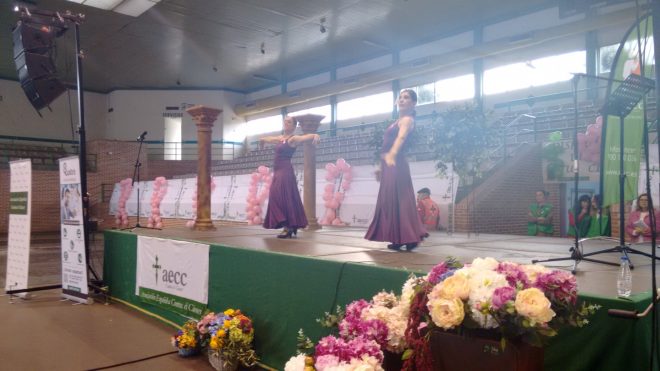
(285, 209)
(396, 219)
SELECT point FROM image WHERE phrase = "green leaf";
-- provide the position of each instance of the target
(407, 354)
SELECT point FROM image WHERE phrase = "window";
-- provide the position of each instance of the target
(365, 106)
(455, 88)
(264, 125)
(172, 138)
(322, 110)
(607, 53)
(535, 72)
(425, 94)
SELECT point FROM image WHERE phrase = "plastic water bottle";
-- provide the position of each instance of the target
(624, 280)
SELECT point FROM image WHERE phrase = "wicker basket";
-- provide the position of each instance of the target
(220, 363)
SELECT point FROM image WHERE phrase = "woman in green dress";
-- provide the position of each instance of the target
(579, 218)
(600, 219)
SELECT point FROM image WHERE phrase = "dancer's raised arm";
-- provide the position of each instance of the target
(296, 139)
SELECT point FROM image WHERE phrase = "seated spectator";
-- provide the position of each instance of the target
(429, 212)
(579, 217)
(638, 223)
(600, 219)
(539, 217)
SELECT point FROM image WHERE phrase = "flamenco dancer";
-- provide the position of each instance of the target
(396, 219)
(285, 209)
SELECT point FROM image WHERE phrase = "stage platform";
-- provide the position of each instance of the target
(285, 284)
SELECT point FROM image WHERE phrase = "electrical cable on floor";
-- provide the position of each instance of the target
(133, 361)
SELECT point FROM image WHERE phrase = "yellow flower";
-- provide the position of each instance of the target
(446, 313)
(229, 312)
(221, 333)
(456, 286)
(532, 304)
(226, 324)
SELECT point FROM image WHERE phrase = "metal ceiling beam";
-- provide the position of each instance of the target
(433, 63)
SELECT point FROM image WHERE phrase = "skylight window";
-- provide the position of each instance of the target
(128, 7)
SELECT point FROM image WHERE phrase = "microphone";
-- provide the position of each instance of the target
(141, 137)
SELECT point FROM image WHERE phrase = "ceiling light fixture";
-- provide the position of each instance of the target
(322, 28)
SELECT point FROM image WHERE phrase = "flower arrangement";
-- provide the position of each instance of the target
(187, 340)
(516, 302)
(521, 302)
(229, 336)
(366, 330)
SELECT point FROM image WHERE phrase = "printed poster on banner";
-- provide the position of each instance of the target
(18, 239)
(173, 275)
(74, 261)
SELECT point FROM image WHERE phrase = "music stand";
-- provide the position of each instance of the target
(576, 253)
(620, 102)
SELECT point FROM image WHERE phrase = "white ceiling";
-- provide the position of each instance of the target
(217, 44)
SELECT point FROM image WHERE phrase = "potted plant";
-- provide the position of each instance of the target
(457, 312)
(187, 340)
(229, 339)
(460, 137)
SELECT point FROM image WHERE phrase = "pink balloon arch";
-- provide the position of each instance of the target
(125, 189)
(191, 223)
(159, 192)
(590, 141)
(258, 192)
(338, 178)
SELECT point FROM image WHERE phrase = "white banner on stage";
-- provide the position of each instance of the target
(18, 239)
(173, 275)
(228, 199)
(74, 261)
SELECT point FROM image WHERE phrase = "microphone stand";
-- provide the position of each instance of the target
(136, 175)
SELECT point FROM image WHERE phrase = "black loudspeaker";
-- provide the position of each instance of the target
(33, 55)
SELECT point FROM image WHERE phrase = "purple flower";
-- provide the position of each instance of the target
(514, 274)
(361, 346)
(436, 273)
(501, 296)
(558, 286)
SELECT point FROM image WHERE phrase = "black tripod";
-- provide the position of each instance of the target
(576, 252)
(620, 102)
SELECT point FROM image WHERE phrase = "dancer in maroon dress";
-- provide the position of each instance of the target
(395, 219)
(285, 210)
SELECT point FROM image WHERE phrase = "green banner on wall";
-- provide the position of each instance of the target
(625, 63)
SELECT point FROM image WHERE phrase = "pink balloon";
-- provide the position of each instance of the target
(256, 208)
(255, 176)
(118, 221)
(330, 214)
(252, 188)
(250, 214)
(190, 223)
(327, 196)
(329, 188)
(345, 185)
(337, 221)
(330, 167)
(159, 225)
(156, 211)
(329, 177)
(341, 163)
(263, 197)
(599, 120)
(339, 196)
(150, 225)
(257, 220)
(250, 222)
(262, 169)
